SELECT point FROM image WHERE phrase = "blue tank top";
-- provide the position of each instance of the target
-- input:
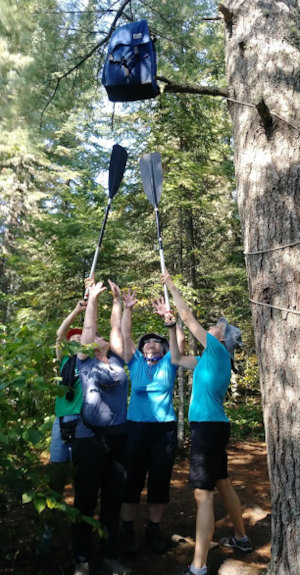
(211, 379)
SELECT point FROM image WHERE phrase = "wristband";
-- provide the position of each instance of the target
(170, 324)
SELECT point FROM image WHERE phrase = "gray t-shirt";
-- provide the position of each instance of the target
(105, 389)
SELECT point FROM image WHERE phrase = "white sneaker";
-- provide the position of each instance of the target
(82, 569)
(111, 566)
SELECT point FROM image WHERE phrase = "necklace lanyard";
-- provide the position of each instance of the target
(150, 365)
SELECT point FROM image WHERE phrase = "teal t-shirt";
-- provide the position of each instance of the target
(62, 405)
(211, 379)
(151, 389)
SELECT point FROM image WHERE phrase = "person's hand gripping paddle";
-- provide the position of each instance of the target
(117, 165)
(151, 171)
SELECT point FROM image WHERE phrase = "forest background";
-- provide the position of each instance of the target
(57, 131)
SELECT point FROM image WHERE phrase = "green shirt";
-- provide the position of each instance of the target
(62, 405)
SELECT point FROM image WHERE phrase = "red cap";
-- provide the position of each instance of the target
(74, 331)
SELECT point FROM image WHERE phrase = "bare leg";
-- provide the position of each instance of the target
(232, 505)
(129, 511)
(205, 524)
(156, 512)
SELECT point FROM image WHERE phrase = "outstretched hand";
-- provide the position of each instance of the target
(115, 290)
(159, 307)
(96, 289)
(129, 299)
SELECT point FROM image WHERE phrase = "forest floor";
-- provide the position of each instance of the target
(248, 471)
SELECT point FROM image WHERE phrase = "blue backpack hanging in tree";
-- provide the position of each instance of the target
(129, 71)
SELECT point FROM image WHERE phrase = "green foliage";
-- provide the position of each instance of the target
(51, 501)
(246, 420)
(26, 398)
(55, 142)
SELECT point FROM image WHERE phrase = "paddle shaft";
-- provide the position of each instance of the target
(161, 252)
(97, 251)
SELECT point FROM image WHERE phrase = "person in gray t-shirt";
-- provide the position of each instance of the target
(100, 441)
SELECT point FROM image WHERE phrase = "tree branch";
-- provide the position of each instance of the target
(228, 18)
(88, 55)
(171, 87)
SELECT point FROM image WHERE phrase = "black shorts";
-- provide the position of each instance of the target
(151, 449)
(208, 460)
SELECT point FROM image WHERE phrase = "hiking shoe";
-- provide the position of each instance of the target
(82, 569)
(110, 566)
(241, 544)
(187, 571)
(156, 539)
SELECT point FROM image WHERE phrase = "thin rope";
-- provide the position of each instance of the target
(284, 120)
(272, 249)
(271, 112)
(296, 312)
(240, 102)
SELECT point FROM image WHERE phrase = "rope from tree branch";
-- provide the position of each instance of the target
(272, 249)
(214, 91)
(296, 312)
(242, 103)
(286, 122)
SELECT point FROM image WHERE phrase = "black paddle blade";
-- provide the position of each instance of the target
(151, 171)
(117, 165)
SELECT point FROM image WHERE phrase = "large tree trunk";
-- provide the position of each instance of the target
(262, 59)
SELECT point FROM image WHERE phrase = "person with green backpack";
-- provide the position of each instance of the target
(67, 412)
(68, 407)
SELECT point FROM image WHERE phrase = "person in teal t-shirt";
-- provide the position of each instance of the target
(152, 426)
(210, 427)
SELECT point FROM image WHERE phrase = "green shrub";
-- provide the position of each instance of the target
(246, 419)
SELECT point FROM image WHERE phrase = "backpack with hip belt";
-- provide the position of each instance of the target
(129, 71)
(69, 379)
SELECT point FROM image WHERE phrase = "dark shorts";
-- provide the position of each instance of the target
(151, 449)
(208, 460)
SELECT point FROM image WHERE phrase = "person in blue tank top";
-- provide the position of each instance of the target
(152, 428)
(210, 427)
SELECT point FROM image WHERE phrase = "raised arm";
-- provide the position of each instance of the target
(177, 358)
(184, 311)
(116, 338)
(63, 329)
(160, 308)
(129, 301)
(90, 323)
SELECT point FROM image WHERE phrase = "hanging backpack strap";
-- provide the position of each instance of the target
(127, 63)
(69, 377)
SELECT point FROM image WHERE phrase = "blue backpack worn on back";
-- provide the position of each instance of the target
(129, 71)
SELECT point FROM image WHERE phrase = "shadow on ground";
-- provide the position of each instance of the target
(248, 471)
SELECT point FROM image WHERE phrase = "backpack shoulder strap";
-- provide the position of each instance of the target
(69, 376)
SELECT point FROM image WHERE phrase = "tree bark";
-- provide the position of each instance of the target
(262, 62)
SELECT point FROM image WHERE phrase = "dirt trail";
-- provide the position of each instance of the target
(248, 471)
